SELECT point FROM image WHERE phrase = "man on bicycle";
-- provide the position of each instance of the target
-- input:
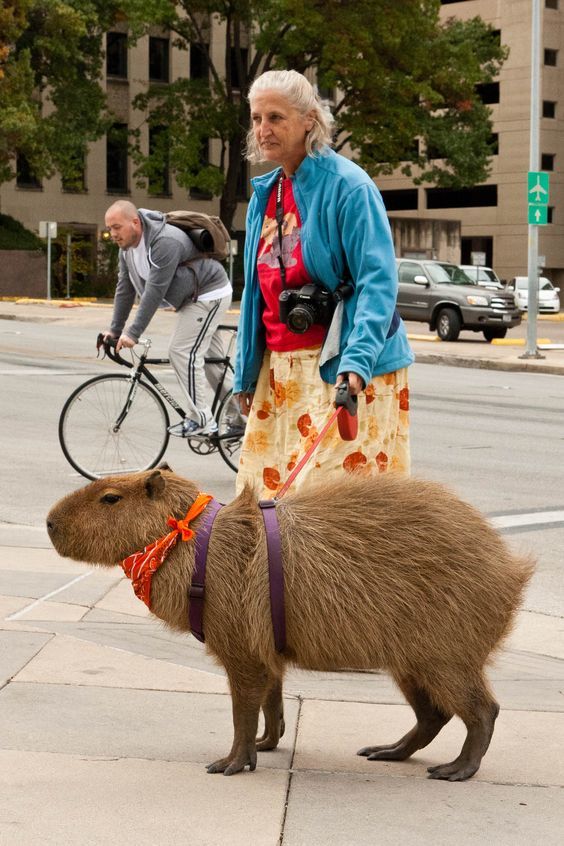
(160, 264)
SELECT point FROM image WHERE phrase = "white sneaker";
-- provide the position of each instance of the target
(188, 428)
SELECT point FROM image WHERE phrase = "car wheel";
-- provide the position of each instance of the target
(448, 324)
(490, 334)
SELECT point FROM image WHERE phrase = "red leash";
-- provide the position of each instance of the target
(345, 412)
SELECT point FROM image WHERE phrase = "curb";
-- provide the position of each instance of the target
(488, 364)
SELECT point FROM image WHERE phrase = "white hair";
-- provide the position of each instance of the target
(304, 97)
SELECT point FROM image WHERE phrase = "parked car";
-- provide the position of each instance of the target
(441, 294)
(484, 276)
(549, 301)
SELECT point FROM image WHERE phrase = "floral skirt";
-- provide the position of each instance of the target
(290, 407)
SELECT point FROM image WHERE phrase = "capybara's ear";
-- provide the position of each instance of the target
(155, 484)
(164, 466)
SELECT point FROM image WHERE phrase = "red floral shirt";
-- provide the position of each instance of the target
(278, 336)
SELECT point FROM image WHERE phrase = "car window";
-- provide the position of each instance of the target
(545, 285)
(408, 270)
(448, 273)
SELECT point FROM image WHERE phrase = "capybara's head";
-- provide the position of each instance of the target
(114, 517)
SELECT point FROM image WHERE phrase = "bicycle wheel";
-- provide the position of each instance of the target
(88, 434)
(230, 430)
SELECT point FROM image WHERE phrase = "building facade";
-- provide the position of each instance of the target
(493, 216)
(490, 218)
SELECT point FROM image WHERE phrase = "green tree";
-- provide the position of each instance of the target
(405, 85)
(51, 102)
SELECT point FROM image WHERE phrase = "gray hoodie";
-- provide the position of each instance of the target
(168, 284)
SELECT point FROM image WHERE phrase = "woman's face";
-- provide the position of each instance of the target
(279, 129)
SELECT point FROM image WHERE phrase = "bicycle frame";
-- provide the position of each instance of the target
(141, 369)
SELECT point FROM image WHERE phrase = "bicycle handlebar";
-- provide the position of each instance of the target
(109, 345)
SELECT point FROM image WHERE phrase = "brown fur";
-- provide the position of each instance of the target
(385, 572)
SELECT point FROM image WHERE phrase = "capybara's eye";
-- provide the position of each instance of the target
(111, 498)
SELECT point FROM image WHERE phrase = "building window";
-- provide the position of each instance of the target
(236, 81)
(493, 143)
(551, 4)
(200, 193)
(551, 57)
(400, 200)
(547, 161)
(550, 214)
(77, 182)
(198, 61)
(116, 54)
(461, 198)
(548, 109)
(488, 92)
(243, 181)
(159, 59)
(25, 177)
(159, 179)
(117, 159)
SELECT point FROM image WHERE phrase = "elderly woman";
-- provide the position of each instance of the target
(317, 220)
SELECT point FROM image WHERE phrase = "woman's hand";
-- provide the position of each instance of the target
(356, 382)
(245, 402)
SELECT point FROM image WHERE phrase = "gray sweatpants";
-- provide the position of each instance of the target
(194, 338)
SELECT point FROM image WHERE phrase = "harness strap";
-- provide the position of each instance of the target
(275, 572)
(197, 586)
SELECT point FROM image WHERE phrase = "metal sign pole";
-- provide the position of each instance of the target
(531, 350)
(48, 261)
(69, 262)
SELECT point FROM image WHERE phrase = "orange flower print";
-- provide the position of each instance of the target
(271, 478)
(389, 378)
(382, 462)
(310, 438)
(370, 394)
(404, 399)
(279, 394)
(292, 461)
(293, 392)
(304, 424)
(257, 442)
(265, 410)
(271, 378)
(354, 461)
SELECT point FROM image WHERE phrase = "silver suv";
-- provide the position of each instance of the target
(441, 294)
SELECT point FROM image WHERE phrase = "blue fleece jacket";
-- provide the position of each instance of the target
(344, 225)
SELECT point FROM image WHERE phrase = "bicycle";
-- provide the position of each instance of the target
(118, 423)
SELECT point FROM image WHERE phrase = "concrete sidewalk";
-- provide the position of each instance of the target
(471, 350)
(107, 722)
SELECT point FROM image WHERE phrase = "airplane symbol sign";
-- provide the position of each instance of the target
(537, 187)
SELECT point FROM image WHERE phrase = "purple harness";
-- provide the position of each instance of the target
(275, 571)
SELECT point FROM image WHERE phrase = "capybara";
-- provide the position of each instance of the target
(386, 572)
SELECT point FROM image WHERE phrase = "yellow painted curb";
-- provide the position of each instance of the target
(511, 342)
(423, 337)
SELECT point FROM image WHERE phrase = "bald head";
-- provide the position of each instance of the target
(124, 224)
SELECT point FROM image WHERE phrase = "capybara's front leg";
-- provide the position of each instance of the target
(247, 693)
(273, 711)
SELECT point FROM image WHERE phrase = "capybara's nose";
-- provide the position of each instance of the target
(50, 526)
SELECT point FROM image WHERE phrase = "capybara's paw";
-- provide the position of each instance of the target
(269, 741)
(455, 771)
(230, 766)
(396, 752)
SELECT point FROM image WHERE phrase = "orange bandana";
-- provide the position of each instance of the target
(141, 566)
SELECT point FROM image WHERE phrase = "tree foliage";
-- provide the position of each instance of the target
(405, 84)
(51, 102)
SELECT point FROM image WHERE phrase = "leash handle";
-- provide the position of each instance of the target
(347, 403)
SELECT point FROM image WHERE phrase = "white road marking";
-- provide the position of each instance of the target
(17, 614)
(535, 518)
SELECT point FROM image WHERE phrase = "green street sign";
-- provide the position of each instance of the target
(537, 188)
(538, 215)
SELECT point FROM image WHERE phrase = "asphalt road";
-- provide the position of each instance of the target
(496, 438)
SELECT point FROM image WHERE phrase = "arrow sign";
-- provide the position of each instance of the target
(538, 215)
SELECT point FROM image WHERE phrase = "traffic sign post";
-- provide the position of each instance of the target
(538, 193)
(48, 229)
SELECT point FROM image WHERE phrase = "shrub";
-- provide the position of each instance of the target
(14, 236)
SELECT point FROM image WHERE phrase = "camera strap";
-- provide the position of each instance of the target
(280, 221)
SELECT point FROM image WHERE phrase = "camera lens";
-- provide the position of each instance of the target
(301, 318)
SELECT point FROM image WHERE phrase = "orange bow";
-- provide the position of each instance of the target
(141, 566)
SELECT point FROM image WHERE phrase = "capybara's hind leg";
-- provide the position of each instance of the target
(479, 716)
(248, 689)
(430, 721)
(273, 712)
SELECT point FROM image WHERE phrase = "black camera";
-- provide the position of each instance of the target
(300, 308)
